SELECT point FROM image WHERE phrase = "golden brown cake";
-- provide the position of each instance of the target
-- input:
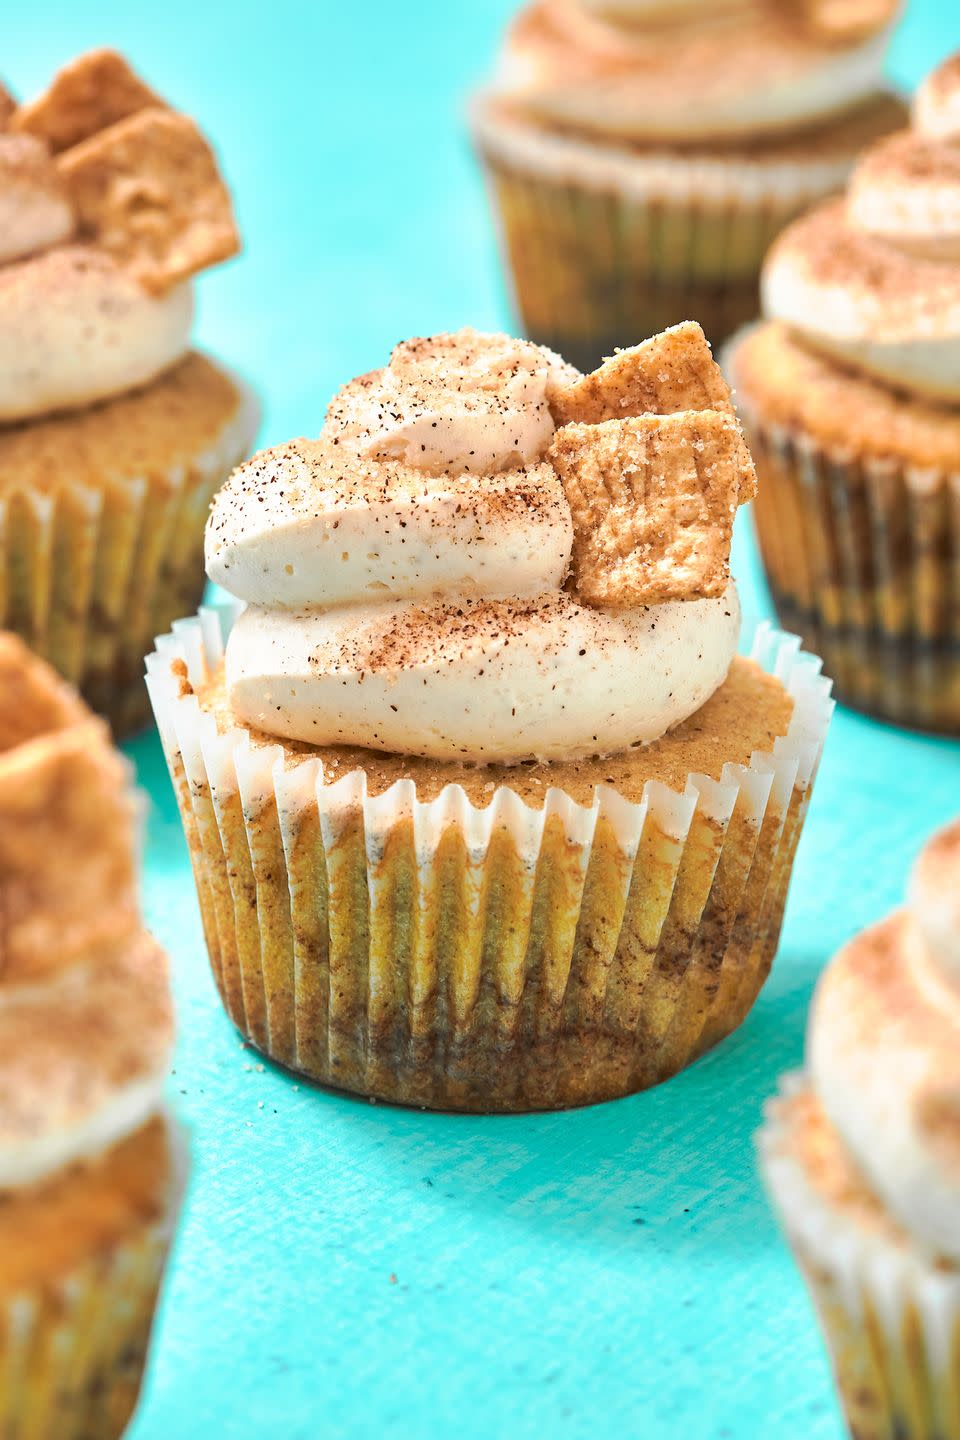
(642, 157)
(862, 1159)
(463, 835)
(113, 435)
(90, 1166)
(850, 393)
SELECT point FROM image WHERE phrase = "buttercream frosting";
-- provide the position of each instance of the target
(485, 680)
(710, 74)
(406, 576)
(78, 328)
(884, 1053)
(873, 279)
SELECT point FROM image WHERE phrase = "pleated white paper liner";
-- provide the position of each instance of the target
(862, 555)
(89, 573)
(889, 1314)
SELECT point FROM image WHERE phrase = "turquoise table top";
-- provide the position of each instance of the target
(347, 1269)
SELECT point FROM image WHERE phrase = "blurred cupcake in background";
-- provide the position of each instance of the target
(485, 811)
(643, 155)
(113, 434)
(862, 1159)
(91, 1168)
(850, 392)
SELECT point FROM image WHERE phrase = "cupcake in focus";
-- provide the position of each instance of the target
(850, 393)
(642, 156)
(90, 1167)
(485, 812)
(862, 1159)
(114, 435)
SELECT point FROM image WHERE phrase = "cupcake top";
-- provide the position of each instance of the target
(695, 72)
(873, 279)
(884, 1052)
(488, 557)
(85, 1014)
(109, 202)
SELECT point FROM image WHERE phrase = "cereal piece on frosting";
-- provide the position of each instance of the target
(674, 370)
(653, 500)
(92, 92)
(148, 191)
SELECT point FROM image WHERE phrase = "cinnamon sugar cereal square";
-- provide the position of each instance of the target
(653, 500)
(92, 92)
(148, 190)
(674, 370)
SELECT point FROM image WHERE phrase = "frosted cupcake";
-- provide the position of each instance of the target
(90, 1169)
(113, 434)
(642, 156)
(851, 398)
(484, 811)
(862, 1159)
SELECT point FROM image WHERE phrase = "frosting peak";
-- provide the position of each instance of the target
(453, 403)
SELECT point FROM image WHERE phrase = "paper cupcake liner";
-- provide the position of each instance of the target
(88, 576)
(863, 560)
(72, 1356)
(606, 245)
(497, 958)
(891, 1319)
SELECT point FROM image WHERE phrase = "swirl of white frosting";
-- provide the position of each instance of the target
(709, 73)
(401, 598)
(874, 279)
(481, 680)
(453, 404)
(884, 1052)
(78, 328)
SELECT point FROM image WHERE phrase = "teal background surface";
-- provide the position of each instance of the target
(346, 1269)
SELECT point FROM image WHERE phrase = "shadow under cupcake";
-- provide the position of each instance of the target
(484, 811)
(113, 434)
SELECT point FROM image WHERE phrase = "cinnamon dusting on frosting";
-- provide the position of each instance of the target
(405, 573)
(712, 72)
(874, 278)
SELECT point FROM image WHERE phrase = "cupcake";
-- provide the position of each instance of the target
(862, 1158)
(850, 392)
(484, 811)
(90, 1167)
(642, 156)
(114, 435)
